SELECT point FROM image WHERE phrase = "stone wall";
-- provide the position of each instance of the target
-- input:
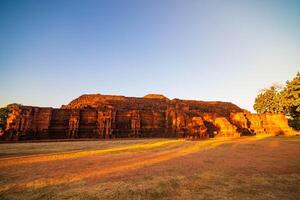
(108, 116)
(59, 123)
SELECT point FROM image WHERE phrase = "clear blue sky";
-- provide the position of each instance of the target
(53, 51)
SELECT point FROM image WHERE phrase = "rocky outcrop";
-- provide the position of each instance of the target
(110, 116)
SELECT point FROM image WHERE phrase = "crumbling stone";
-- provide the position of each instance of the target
(110, 116)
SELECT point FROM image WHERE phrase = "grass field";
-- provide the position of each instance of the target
(241, 168)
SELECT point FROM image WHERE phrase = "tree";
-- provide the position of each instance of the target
(291, 96)
(286, 101)
(269, 101)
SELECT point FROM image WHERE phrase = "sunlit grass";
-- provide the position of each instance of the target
(82, 166)
(77, 154)
(194, 146)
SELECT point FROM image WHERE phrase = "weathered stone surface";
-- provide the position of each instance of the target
(110, 116)
(196, 128)
(242, 123)
(226, 129)
(239, 119)
(14, 125)
(28, 122)
(135, 124)
(256, 123)
(276, 124)
(74, 124)
(105, 122)
(155, 96)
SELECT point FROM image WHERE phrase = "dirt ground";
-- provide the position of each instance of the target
(220, 168)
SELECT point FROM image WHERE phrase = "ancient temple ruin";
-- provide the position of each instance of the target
(109, 116)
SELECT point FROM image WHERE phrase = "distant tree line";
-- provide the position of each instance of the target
(285, 99)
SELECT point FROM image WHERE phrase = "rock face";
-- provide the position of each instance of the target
(110, 116)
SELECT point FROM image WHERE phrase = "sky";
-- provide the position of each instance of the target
(226, 50)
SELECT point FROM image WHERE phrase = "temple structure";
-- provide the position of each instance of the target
(109, 116)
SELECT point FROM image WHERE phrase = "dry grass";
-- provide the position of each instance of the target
(243, 168)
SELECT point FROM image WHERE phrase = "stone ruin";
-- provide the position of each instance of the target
(108, 116)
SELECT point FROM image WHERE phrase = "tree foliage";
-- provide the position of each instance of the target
(277, 100)
(269, 101)
(291, 96)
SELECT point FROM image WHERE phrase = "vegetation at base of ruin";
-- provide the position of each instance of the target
(278, 99)
(240, 168)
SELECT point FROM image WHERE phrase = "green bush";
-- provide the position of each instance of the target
(295, 123)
